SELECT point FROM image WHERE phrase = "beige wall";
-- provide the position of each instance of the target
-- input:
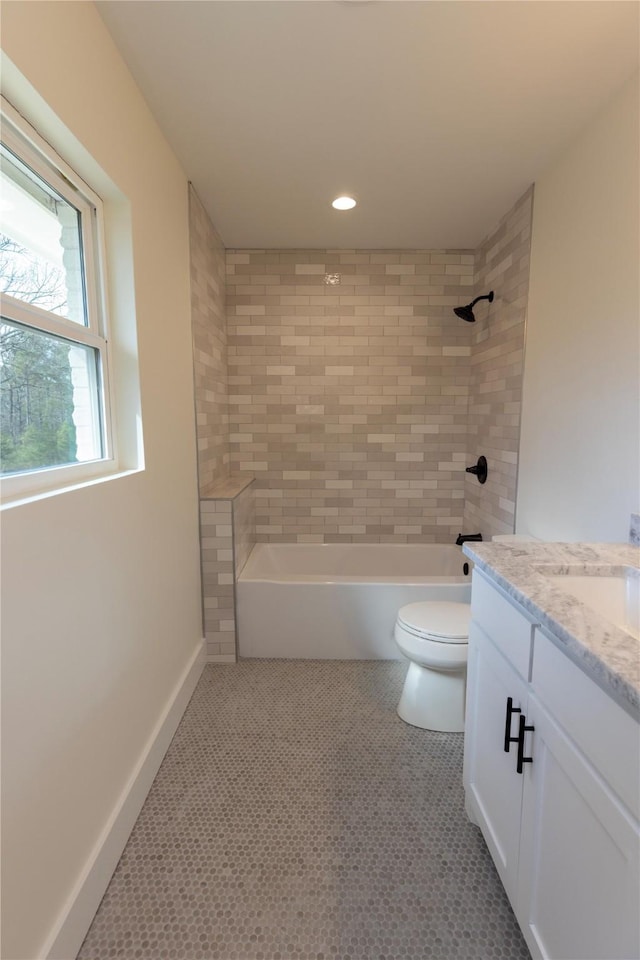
(101, 586)
(501, 265)
(579, 476)
(209, 345)
(349, 402)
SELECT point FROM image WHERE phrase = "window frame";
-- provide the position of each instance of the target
(36, 153)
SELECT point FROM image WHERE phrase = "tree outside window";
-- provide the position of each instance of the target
(52, 347)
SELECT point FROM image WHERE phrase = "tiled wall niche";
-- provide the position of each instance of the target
(348, 402)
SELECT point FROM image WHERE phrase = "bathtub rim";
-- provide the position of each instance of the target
(249, 575)
(370, 581)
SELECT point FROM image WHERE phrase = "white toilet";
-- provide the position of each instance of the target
(434, 636)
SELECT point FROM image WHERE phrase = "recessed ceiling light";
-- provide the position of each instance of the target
(344, 203)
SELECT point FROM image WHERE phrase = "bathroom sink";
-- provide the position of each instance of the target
(613, 593)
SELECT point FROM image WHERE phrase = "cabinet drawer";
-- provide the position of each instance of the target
(501, 620)
(607, 736)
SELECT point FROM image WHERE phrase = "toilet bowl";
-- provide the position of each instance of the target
(434, 636)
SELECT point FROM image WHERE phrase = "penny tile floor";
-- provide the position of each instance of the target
(296, 817)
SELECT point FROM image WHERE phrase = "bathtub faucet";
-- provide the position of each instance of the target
(463, 537)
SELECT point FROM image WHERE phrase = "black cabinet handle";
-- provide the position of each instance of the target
(508, 739)
(522, 729)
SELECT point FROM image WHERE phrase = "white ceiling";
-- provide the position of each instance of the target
(435, 115)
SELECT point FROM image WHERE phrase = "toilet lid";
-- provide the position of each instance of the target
(442, 619)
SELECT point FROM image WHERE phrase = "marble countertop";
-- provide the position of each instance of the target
(606, 652)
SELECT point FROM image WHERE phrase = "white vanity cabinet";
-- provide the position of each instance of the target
(496, 695)
(563, 832)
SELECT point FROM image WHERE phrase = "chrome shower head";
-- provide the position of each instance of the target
(466, 313)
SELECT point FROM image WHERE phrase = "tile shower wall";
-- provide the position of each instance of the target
(227, 536)
(209, 345)
(227, 525)
(216, 550)
(495, 388)
(348, 401)
(244, 528)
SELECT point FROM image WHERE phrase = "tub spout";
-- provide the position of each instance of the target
(463, 537)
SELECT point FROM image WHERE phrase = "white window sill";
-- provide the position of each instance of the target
(21, 489)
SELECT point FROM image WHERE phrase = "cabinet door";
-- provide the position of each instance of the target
(578, 891)
(493, 788)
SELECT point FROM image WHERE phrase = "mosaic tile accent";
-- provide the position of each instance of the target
(495, 389)
(209, 344)
(349, 402)
(296, 817)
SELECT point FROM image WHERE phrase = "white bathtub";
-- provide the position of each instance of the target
(339, 601)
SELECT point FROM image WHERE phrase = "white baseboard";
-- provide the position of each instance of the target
(221, 658)
(76, 917)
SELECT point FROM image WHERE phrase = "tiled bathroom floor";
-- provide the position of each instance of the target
(295, 817)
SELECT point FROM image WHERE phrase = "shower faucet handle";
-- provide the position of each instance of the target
(480, 469)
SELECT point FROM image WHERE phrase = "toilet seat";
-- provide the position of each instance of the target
(437, 621)
(437, 654)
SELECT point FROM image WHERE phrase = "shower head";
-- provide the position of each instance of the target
(466, 313)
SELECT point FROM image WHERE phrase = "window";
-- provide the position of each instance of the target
(54, 398)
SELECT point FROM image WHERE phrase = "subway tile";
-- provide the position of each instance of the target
(400, 268)
(351, 451)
